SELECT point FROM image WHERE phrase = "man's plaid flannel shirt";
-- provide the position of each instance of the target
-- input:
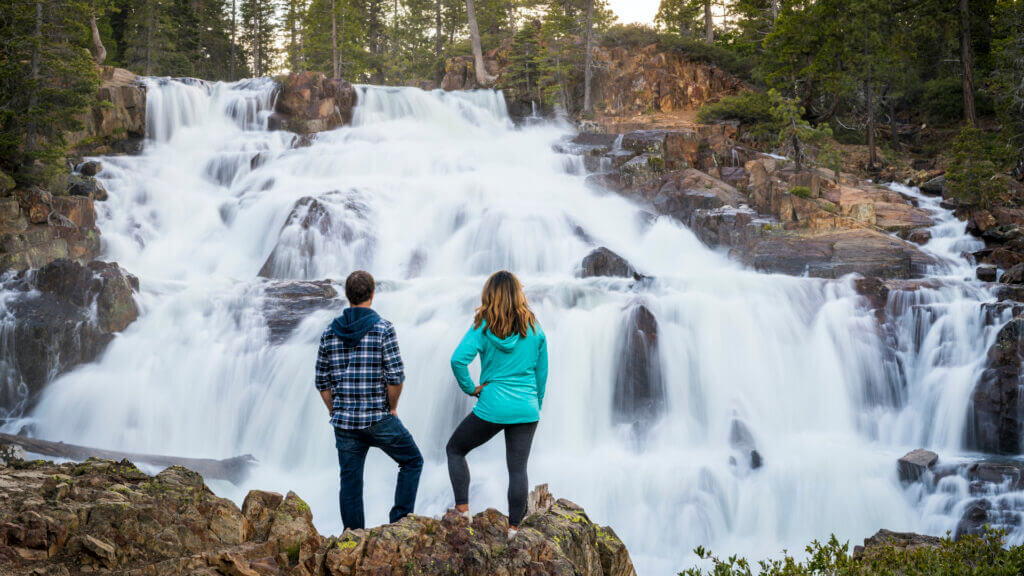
(358, 376)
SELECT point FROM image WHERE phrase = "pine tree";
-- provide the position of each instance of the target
(294, 14)
(258, 32)
(47, 78)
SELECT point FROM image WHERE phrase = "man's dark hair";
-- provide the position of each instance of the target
(359, 287)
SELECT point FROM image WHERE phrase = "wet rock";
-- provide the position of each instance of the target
(310, 102)
(90, 167)
(974, 518)
(995, 409)
(935, 187)
(1009, 472)
(913, 465)
(603, 262)
(1002, 233)
(1000, 256)
(639, 396)
(1014, 275)
(901, 541)
(287, 303)
(986, 273)
(834, 253)
(641, 170)
(80, 185)
(741, 440)
(919, 236)
(54, 327)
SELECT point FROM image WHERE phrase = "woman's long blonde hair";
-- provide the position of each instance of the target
(504, 307)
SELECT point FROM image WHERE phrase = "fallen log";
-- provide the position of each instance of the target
(233, 470)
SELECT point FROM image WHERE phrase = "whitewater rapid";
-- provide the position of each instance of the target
(432, 192)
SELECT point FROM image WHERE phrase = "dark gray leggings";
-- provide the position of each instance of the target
(474, 431)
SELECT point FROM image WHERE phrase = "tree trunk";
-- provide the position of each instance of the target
(150, 22)
(33, 97)
(438, 33)
(967, 64)
(335, 72)
(482, 77)
(870, 129)
(97, 43)
(588, 61)
(709, 25)
(231, 59)
(234, 470)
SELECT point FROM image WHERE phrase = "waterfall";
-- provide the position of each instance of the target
(770, 412)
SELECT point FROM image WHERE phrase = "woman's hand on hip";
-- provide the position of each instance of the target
(478, 390)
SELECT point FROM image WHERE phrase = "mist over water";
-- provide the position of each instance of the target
(432, 192)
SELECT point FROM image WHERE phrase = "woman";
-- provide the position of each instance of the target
(513, 371)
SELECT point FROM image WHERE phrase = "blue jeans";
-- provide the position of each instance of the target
(390, 436)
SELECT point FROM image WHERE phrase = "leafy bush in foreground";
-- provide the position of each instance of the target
(971, 555)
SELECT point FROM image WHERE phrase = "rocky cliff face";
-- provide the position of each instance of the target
(118, 122)
(633, 87)
(108, 517)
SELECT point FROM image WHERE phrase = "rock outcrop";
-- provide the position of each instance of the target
(108, 516)
(117, 123)
(603, 262)
(768, 215)
(633, 83)
(287, 303)
(310, 102)
(639, 397)
(913, 466)
(902, 541)
(60, 316)
(995, 409)
(37, 227)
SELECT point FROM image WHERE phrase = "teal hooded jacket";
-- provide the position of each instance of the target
(514, 368)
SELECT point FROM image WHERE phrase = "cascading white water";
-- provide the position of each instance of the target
(432, 192)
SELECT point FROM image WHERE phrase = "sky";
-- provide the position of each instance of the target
(634, 10)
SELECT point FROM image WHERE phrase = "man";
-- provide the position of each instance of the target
(359, 374)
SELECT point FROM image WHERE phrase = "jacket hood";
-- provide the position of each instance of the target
(353, 324)
(505, 344)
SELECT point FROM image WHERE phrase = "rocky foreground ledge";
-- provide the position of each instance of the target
(105, 517)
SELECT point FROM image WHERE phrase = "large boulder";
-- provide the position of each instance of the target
(310, 102)
(109, 517)
(833, 253)
(119, 115)
(914, 464)
(902, 541)
(603, 262)
(995, 411)
(287, 303)
(639, 397)
(63, 315)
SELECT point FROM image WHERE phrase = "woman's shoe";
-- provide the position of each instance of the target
(512, 533)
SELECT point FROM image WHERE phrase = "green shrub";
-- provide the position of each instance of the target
(971, 555)
(742, 67)
(630, 36)
(747, 107)
(800, 191)
(640, 35)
